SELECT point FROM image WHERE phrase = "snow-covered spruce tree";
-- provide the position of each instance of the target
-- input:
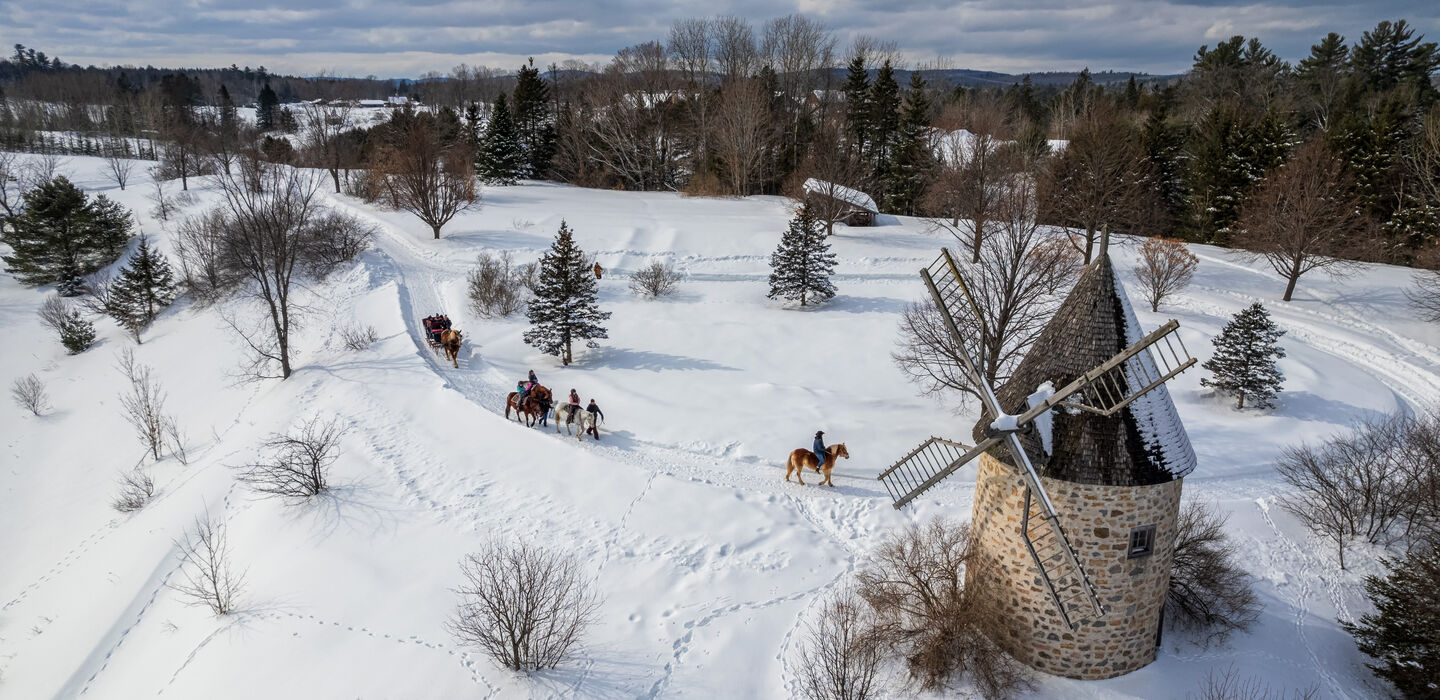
(801, 266)
(62, 236)
(1244, 360)
(564, 309)
(1403, 635)
(145, 287)
(501, 160)
(76, 333)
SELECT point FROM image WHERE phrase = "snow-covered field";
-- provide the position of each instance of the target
(709, 563)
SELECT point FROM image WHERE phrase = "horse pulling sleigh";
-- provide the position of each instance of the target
(442, 338)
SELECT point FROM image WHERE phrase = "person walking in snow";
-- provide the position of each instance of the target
(819, 449)
(596, 416)
(545, 410)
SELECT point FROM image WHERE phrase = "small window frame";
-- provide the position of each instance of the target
(1142, 542)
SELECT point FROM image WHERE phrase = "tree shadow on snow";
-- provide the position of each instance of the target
(605, 676)
(627, 358)
(866, 305)
(356, 507)
(1312, 407)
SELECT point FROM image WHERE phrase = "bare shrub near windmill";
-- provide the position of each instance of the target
(1209, 590)
(136, 488)
(1017, 283)
(144, 403)
(298, 463)
(1352, 486)
(1231, 685)
(916, 585)
(497, 286)
(29, 393)
(1165, 268)
(207, 575)
(358, 337)
(843, 651)
(658, 279)
(523, 606)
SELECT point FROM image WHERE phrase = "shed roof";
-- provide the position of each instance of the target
(845, 194)
(1144, 443)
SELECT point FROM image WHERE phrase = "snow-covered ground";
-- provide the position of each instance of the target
(709, 563)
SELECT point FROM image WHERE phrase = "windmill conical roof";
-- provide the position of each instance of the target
(1144, 443)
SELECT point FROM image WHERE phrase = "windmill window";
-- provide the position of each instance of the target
(1142, 542)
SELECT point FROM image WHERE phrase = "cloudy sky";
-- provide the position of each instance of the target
(392, 38)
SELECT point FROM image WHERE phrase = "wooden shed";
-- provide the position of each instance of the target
(840, 203)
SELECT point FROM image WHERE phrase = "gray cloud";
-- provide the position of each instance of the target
(397, 38)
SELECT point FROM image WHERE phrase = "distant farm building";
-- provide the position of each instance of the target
(840, 203)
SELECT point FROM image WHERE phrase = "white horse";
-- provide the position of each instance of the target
(562, 416)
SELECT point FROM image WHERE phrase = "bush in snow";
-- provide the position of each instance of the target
(358, 337)
(76, 333)
(1244, 361)
(916, 585)
(29, 393)
(206, 575)
(1209, 591)
(801, 266)
(498, 287)
(1403, 634)
(298, 463)
(525, 607)
(655, 280)
(136, 488)
(144, 404)
(564, 308)
(1166, 266)
(843, 651)
(1230, 685)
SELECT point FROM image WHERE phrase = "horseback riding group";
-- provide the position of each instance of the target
(533, 401)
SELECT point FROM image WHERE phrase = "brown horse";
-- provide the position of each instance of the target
(531, 408)
(450, 343)
(800, 460)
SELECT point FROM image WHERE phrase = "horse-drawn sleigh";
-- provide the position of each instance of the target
(442, 338)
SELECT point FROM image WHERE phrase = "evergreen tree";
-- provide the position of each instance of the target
(564, 309)
(532, 120)
(1230, 151)
(857, 105)
(265, 108)
(1403, 634)
(884, 120)
(76, 333)
(1244, 359)
(914, 156)
(1164, 150)
(501, 159)
(61, 236)
(1390, 55)
(802, 264)
(227, 110)
(144, 288)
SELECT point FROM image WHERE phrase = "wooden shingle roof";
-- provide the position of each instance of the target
(1144, 443)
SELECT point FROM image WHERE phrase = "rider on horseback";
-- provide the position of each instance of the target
(819, 449)
(574, 407)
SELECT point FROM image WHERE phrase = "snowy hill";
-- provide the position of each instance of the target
(709, 563)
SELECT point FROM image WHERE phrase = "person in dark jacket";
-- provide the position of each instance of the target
(594, 410)
(533, 380)
(545, 404)
(819, 448)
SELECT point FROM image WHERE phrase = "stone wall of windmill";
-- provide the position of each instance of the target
(1099, 520)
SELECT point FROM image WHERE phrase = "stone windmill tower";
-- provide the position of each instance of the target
(1081, 455)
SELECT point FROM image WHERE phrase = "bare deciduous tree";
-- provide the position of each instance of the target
(524, 607)
(430, 177)
(298, 463)
(974, 164)
(1100, 181)
(358, 337)
(1304, 217)
(207, 575)
(657, 279)
(836, 169)
(916, 584)
(200, 245)
(165, 204)
(136, 488)
(119, 170)
(144, 403)
(54, 312)
(843, 651)
(498, 287)
(736, 55)
(1017, 285)
(324, 124)
(1166, 266)
(1424, 295)
(1230, 685)
(29, 393)
(11, 185)
(1209, 590)
(742, 134)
